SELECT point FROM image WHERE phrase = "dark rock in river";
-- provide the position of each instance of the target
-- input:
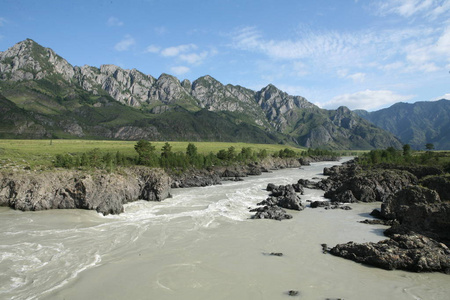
(195, 178)
(270, 212)
(379, 222)
(404, 252)
(307, 183)
(283, 196)
(316, 204)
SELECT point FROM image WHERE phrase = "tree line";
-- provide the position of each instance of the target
(147, 155)
(406, 156)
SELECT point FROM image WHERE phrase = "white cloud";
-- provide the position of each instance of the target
(2, 21)
(446, 96)
(194, 58)
(356, 77)
(152, 49)
(176, 50)
(125, 44)
(368, 100)
(180, 70)
(184, 53)
(443, 44)
(113, 21)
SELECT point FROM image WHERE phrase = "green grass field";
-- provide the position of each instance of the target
(39, 154)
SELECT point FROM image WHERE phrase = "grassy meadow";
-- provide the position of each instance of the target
(39, 154)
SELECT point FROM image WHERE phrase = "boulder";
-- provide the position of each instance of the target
(419, 209)
(316, 204)
(283, 196)
(441, 184)
(270, 212)
(404, 252)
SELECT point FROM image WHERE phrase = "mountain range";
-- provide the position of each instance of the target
(44, 96)
(415, 124)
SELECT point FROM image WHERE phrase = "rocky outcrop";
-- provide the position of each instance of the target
(329, 205)
(195, 178)
(441, 184)
(215, 175)
(284, 196)
(270, 212)
(350, 183)
(65, 189)
(419, 209)
(414, 252)
(414, 208)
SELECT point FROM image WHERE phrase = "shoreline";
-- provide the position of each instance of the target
(107, 192)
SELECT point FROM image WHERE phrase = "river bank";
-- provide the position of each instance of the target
(107, 192)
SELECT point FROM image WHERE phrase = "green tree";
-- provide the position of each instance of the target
(246, 154)
(429, 146)
(191, 150)
(166, 150)
(231, 153)
(262, 153)
(146, 152)
(406, 150)
(222, 154)
(95, 158)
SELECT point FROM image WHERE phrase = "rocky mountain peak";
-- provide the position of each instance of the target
(186, 84)
(345, 118)
(167, 89)
(27, 60)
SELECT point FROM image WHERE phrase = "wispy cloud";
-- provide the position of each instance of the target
(356, 77)
(125, 44)
(152, 49)
(113, 21)
(411, 8)
(409, 50)
(176, 50)
(368, 99)
(194, 58)
(180, 70)
(2, 21)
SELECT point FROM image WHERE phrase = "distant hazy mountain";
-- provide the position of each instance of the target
(416, 124)
(42, 95)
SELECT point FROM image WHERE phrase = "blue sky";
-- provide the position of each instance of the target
(362, 54)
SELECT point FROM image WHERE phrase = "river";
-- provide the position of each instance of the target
(199, 244)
